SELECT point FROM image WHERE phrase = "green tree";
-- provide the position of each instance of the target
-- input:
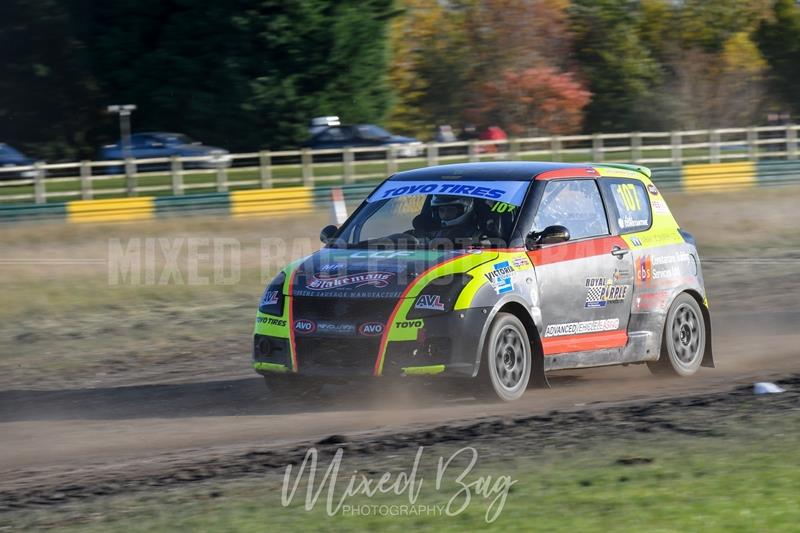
(621, 70)
(48, 98)
(245, 73)
(779, 42)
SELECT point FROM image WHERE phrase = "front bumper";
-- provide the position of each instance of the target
(447, 344)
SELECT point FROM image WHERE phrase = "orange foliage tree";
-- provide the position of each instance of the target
(533, 100)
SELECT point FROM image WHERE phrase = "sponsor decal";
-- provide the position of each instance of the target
(331, 268)
(335, 293)
(271, 321)
(336, 328)
(644, 268)
(500, 278)
(621, 273)
(576, 328)
(630, 222)
(380, 254)
(601, 291)
(521, 262)
(429, 301)
(371, 329)
(651, 268)
(305, 326)
(510, 192)
(595, 293)
(269, 298)
(659, 207)
(680, 257)
(652, 189)
(323, 282)
(635, 241)
(616, 293)
(651, 301)
(409, 324)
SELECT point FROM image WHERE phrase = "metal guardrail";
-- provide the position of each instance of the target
(177, 176)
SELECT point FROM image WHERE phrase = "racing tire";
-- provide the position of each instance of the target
(683, 341)
(505, 360)
(289, 386)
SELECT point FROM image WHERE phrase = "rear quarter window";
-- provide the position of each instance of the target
(630, 204)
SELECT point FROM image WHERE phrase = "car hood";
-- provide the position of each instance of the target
(362, 273)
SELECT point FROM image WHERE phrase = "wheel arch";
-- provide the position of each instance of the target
(708, 355)
(518, 308)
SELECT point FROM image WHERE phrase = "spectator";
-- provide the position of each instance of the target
(444, 134)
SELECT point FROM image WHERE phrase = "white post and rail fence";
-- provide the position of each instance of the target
(731, 150)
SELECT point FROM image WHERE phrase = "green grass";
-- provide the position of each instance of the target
(744, 479)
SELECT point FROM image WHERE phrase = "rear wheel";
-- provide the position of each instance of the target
(684, 339)
(506, 362)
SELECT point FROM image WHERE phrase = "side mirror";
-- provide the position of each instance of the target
(327, 233)
(549, 235)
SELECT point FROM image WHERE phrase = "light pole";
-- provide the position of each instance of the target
(124, 112)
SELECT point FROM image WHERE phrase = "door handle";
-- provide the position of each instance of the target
(618, 252)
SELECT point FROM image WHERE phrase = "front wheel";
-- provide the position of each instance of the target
(506, 361)
(683, 341)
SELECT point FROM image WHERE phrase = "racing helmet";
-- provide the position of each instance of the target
(453, 210)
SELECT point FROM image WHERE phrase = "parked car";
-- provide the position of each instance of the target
(158, 144)
(363, 135)
(9, 157)
(496, 273)
(317, 124)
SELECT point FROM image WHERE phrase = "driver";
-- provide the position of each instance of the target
(458, 217)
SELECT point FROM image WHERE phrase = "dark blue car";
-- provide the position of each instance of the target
(157, 145)
(9, 157)
(363, 135)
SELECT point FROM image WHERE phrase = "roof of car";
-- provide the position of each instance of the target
(504, 170)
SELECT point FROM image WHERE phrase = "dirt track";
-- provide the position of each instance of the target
(88, 437)
(149, 425)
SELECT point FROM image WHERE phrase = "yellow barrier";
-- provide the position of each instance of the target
(117, 209)
(268, 201)
(719, 176)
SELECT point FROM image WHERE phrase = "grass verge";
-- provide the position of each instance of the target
(738, 475)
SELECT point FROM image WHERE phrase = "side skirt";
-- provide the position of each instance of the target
(635, 351)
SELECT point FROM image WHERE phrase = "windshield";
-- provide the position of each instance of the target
(372, 132)
(173, 138)
(7, 151)
(436, 214)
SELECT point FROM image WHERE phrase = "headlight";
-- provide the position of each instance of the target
(272, 300)
(439, 296)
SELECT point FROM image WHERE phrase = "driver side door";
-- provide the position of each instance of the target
(585, 284)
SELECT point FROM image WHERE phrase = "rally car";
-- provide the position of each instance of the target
(499, 272)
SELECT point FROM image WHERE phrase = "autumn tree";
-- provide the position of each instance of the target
(535, 100)
(429, 67)
(454, 63)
